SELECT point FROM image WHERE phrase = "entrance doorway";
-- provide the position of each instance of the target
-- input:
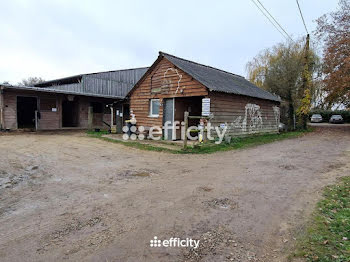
(70, 113)
(26, 107)
(193, 105)
(168, 116)
(126, 112)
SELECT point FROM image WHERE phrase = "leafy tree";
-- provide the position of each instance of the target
(333, 30)
(280, 70)
(31, 81)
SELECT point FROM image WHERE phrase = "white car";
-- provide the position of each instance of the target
(336, 119)
(316, 118)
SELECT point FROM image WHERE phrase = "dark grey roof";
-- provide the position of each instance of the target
(123, 75)
(218, 80)
(71, 91)
(116, 83)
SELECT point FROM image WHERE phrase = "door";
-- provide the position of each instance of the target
(26, 107)
(69, 114)
(119, 118)
(168, 115)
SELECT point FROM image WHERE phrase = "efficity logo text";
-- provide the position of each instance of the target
(174, 242)
(134, 132)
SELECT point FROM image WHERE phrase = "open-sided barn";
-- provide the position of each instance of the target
(72, 102)
(173, 85)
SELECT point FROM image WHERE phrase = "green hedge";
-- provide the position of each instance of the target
(326, 114)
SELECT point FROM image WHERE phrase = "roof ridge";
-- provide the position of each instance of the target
(163, 53)
(118, 70)
(107, 79)
(88, 74)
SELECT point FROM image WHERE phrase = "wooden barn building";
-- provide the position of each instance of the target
(76, 102)
(173, 85)
(154, 95)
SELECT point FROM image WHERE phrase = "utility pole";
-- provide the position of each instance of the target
(305, 104)
(306, 63)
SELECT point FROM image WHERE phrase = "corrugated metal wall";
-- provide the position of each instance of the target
(114, 83)
(106, 87)
(125, 76)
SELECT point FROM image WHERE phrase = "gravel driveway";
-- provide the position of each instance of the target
(65, 196)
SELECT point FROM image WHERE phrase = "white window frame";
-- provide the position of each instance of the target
(150, 107)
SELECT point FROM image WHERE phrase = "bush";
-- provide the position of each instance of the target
(326, 114)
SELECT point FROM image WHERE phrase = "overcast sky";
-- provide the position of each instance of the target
(58, 38)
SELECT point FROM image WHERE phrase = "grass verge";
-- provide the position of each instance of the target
(243, 142)
(327, 238)
(208, 147)
(133, 144)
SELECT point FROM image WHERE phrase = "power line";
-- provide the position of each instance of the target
(275, 20)
(302, 17)
(285, 36)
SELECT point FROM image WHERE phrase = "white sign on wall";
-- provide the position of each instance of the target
(205, 106)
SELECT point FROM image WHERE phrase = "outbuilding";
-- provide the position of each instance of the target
(76, 102)
(173, 85)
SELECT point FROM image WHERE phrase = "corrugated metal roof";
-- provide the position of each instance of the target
(59, 91)
(218, 80)
(116, 83)
(125, 75)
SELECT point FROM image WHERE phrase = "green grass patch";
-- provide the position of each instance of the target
(242, 142)
(133, 144)
(327, 237)
(208, 147)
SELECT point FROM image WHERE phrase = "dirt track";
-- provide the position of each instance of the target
(73, 198)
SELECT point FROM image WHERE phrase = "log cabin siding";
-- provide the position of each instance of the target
(161, 83)
(240, 115)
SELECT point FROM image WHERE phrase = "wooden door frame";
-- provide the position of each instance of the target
(37, 107)
(173, 133)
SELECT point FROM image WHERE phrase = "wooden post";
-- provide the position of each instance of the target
(2, 106)
(113, 126)
(112, 113)
(36, 120)
(186, 127)
(90, 117)
(118, 120)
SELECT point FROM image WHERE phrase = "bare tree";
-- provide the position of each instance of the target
(31, 81)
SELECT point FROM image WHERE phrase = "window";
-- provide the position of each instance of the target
(97, 107)
(154, 108)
